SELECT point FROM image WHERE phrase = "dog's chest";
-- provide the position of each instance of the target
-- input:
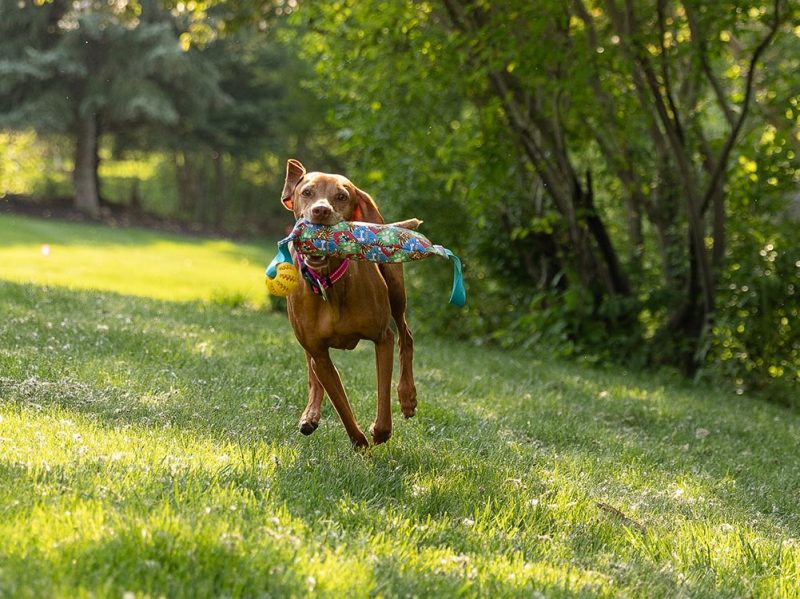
(357, 308)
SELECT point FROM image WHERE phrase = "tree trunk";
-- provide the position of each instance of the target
(585, 199)
(221, 199)
(136, 197)
(718, 253)
(683, 331)
(185, 176)
(84, 175)
(200, 183)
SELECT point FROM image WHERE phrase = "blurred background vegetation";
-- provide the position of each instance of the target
(621, 176)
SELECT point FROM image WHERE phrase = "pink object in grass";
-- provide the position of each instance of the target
(45, 249)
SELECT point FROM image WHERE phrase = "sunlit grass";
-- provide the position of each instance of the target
(131, 261)
(151, 447)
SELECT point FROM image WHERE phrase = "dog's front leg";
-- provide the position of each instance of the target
(309, 421)
(381, 429)
(327, 374)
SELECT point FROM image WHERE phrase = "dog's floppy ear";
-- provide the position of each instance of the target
(294, 174)
(366, 209)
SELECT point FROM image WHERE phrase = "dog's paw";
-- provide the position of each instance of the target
(307, 426)
(360, 443)
(409, 411)
(379, 435)
(407, 395)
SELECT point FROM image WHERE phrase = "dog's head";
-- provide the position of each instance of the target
(326, 199)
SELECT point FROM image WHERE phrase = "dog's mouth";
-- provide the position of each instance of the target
(316, 262)
(325, 221)
(333, 218)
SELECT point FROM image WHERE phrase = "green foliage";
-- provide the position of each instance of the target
(229, 156)
(483, 121)
(92, 68)
(146, 177)
(61, 62)
(756, 339)
(30, 167)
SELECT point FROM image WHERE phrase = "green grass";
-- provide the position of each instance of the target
(131, 261)
(150, 447)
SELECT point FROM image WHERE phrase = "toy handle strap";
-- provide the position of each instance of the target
(458, 295)
(282, 256)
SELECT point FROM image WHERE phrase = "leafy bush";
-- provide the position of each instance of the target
(755, 341)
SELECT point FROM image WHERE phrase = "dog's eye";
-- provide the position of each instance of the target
(341, 196)
(306, 193)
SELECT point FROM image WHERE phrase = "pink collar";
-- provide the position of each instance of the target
(319, 283)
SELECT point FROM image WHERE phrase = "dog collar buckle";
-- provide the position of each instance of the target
(320, 283)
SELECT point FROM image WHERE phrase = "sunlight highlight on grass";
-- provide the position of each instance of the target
(131, 261)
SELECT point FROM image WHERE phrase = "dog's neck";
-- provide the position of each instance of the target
(324, 265)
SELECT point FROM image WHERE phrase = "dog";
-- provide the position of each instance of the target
(360, 304)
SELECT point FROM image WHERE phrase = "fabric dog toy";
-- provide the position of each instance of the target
(365, 242)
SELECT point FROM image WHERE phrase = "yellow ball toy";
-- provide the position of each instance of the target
(285, 280)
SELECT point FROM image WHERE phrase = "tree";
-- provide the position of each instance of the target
(85, 69)
(222, 151)
(626, 119)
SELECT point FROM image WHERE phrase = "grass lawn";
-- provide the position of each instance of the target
(131, 261)
(149, 447)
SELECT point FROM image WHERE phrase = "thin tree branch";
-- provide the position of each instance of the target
(722, 161)
(665, 78)
(702, 50)
(518, 118)
(679, 152)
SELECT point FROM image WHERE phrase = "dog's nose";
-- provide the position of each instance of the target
(321, 211)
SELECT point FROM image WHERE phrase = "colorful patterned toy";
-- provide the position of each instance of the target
(362, 241)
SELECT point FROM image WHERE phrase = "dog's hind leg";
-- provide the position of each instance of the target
(406, 389)
(309, 421)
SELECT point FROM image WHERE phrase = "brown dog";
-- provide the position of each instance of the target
(358, 306)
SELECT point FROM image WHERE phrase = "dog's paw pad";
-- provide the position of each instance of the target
(307, 427)
(379, 436)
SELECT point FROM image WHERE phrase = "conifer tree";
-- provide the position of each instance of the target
(84, 69)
